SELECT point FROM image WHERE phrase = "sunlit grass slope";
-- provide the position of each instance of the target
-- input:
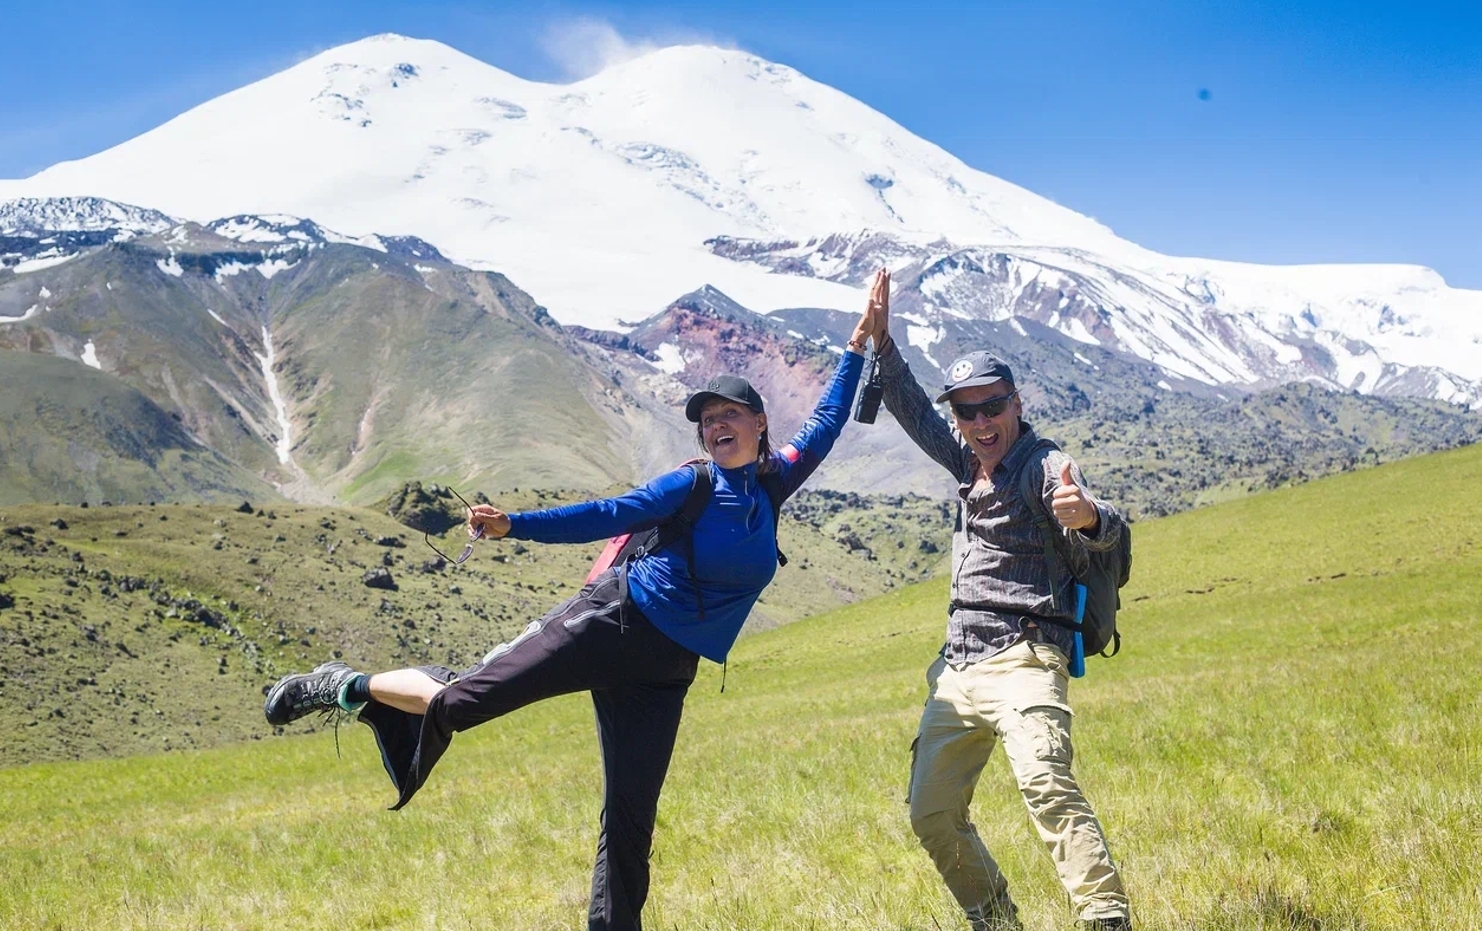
(1291, 739)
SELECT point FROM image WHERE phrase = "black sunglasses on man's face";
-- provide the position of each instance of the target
(467, 550)
(990, 408)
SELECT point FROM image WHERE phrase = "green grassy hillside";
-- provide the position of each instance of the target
(140, 628)
(1290, 740)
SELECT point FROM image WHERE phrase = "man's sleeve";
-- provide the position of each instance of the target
(913, 410)
(1109, 524)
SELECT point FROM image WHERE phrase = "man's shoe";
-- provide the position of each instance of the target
(296, 696)
(1119, 923)
(1005, 919)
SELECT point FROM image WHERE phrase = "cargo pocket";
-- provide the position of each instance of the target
(1046, 732)
(1049, 656)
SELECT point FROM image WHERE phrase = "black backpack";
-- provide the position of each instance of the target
(622, 549)
(1106, 574)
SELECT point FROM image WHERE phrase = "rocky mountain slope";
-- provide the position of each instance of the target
(329, 368)
(69, 433)
(335, 369)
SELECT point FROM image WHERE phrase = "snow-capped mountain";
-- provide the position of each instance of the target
(599, 198)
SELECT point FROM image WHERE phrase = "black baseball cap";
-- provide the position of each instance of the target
(724, 387)
(974, 369)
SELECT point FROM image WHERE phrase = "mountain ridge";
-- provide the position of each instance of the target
(599, 198)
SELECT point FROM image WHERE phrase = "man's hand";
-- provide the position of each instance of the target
(874, 323)
(493, 522)
(1073, 510)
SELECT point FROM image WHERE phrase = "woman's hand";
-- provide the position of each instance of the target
(485, 517)
(874, 323)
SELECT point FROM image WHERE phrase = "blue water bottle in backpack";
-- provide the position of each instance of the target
(1078, 652)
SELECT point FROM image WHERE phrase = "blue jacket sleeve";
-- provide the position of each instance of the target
(640, 509)
(803, 454)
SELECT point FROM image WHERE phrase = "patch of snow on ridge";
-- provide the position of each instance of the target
(217, 318)
(43, 293)
(1077, 331)
(170, 266)
(41, 262)
(90, 356)
(30, 312)
(272, 267)
(671, 361)
(1019, 327)
(228, 270)
(248, 229)
(285, 428)
(923, 338)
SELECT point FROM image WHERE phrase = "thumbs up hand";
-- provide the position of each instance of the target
(1073, 510)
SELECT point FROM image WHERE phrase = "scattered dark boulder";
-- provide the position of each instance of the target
(245, 508)
(391, 541)
(379, 578)
(59, 524)
(436, 564)
(432, 509)
(7, 600)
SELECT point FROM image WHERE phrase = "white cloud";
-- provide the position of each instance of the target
(583, 46)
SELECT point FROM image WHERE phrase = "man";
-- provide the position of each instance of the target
(1002, 673)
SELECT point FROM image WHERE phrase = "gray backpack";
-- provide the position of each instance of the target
(1106, 574)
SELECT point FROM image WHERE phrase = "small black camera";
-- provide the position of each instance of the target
(870, 395)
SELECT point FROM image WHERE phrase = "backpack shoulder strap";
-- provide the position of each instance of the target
(771, 483)
(674, 527)
(682, 521)
(1032, 491)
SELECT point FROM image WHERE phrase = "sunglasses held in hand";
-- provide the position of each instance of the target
(468, 549)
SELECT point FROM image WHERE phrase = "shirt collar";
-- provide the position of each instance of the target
(1020, 449)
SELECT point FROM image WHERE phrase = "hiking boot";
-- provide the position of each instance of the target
(296, 696)
(1119, 923)
(1002, 919)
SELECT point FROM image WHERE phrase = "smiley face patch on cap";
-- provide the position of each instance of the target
(961, 370)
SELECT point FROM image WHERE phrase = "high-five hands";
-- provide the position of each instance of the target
(1072, 509)
(493, 522)
(874, 323)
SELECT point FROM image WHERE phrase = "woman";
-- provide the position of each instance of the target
(632, 637)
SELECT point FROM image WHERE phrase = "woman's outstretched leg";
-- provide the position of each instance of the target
(334, 686)
(409, 690)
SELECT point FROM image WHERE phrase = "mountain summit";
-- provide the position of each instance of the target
(695, 165)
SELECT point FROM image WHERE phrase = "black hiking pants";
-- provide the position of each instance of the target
(638, 678)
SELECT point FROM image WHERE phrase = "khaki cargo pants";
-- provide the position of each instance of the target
(1017, 696)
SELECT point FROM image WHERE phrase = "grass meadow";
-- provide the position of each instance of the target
(1290, 740)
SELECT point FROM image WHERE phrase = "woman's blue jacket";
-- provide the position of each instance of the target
(735, 553)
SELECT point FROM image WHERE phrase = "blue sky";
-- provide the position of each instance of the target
(1256, 131)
